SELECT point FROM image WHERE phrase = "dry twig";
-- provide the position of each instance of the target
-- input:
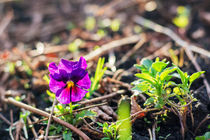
(4, 119)
(50, 118)
(112, 45)
(133, 50)
(160, 29)
(205, 119)
(5, 21)
(102, 97)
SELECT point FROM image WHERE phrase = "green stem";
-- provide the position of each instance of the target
(71, 110)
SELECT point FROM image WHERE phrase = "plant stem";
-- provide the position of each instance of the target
(71, 110)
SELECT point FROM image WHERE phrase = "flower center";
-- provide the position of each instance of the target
(70, 84)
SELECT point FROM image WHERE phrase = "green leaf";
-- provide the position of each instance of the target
(181, 74)
(100, 124)
(165, 73)
(200, 138)
(147, 63)
(149, 101)
(196, 75)
(159, 66)
(207, 135)
(106, 138)
(160, 103)
(170, 83)
(141, 67)
(67, 135)
(84, 114)
(142, 87)
(146, 77)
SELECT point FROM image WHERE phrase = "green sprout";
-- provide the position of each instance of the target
(100, 69)
(110, 131)
(90, 23)
(124, 118)
(74, 46)
(182, 18)
(158, 82)
(115, 25)
(66, 113)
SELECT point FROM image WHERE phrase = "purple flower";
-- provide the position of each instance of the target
(69, 80)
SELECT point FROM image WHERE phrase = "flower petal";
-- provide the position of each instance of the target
(82, 63)
(55, 86)
(67, 65)
(84, 82)
(64, 96)
(53, 68)
(77, 94)
(77, 75)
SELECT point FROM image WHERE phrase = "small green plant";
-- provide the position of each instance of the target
(75, 119)
(159, 82)
(100, 69)
(125, 130)
(110, 131)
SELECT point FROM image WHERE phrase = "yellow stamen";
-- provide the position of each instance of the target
(70, 84)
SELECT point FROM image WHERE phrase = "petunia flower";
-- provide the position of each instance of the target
(69, 80)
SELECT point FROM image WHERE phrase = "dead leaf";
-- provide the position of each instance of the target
(135, 108)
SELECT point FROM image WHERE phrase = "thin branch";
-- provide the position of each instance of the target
(50, 118)
(112, 45)
(150, 133)
(5, 21)
(133, 50)
(205, 119)
(45, 114)
(92, 127)
(5, 119)
(160, 29)
(32, 128)
(153, 131)
(102, 97)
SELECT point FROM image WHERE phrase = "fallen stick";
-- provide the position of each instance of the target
(133, 50)
(102, 97)
(158, 28)
(112, 45)
(45, 114)
(49, 120)
(5, 119)
(5, 21)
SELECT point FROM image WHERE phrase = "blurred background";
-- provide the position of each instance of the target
(61, 21)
